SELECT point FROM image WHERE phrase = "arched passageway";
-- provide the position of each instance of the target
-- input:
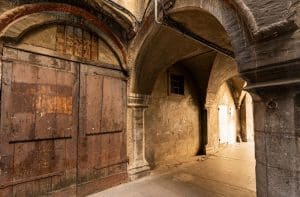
(192, 91)
(164, 47)
(173, 122)
(78, 78)
(254, 58)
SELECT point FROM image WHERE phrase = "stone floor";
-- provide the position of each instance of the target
(230, 172)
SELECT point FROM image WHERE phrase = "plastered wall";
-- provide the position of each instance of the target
(223, 98)
(172, 126)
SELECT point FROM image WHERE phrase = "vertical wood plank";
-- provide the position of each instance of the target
(60, 39)
(69, 40)
(6, 150)
(94, 48)
(112, 105)
(78, 41)
(86, 45)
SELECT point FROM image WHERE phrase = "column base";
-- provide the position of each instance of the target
(139, 171)
(210, 150)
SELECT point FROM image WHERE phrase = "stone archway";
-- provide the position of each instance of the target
(218, 13)
(268, 64)
(63, 104)
(154, 52)
(15, 22)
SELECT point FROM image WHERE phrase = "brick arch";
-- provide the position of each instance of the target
(222, 11)
(14, 16)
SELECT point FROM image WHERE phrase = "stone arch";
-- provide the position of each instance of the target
(66, 77)
(223, 13)
(15, 22)
(223, 69)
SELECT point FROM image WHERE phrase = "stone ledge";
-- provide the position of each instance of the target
(138, 100)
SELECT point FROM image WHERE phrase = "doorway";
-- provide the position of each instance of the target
(63, 126)
(223, 124)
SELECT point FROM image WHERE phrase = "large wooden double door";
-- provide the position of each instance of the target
(62, 126)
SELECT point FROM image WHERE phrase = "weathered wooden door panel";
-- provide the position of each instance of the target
(38, 128)
(42, 106)
(102, 147)
(113, 105)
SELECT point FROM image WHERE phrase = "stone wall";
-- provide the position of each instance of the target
(172, 128)
(223, 69)
(136, 7)
(246, 118)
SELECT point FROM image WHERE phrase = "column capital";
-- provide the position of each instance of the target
(282, 74)
(138, 100)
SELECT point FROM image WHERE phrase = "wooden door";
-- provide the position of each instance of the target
(62, 126)
(223, 124)
(102, 159)
(39, 115)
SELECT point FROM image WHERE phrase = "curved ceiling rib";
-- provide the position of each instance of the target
(123, 16)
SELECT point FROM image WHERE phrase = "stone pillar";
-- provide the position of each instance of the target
(212, 138)
(138, 166)
(277, 133)
(209, 145)
(238, 123)
(249, 118)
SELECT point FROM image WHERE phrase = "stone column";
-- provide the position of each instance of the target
(138, 166)
(277, 133)
(238, 122)
(249, 119)
(212, 136)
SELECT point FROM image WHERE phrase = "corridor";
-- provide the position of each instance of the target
(230, 172)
